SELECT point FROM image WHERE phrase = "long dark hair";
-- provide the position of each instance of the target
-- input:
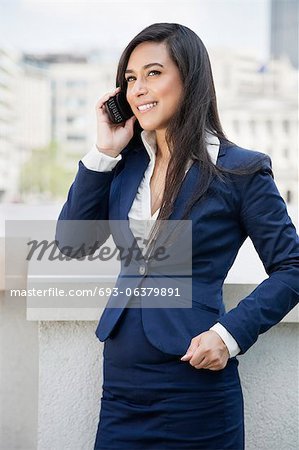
(196, 114)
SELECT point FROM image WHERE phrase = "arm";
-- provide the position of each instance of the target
(87, 202)
(83, 221)
(264, 216)
(230, 342)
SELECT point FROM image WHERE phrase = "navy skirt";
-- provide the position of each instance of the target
(153, 401)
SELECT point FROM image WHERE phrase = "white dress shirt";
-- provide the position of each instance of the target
(140, 218)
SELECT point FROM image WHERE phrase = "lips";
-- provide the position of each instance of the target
(146, 106)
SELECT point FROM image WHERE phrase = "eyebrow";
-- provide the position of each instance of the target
(145, 67)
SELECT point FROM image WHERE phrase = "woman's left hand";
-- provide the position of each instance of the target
(207, 351)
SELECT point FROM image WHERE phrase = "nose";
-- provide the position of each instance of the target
(139, 87)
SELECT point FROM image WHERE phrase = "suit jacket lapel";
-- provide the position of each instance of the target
(185, 191)
(134, 171)
(131, 178)
(222, 149)
(188, 184)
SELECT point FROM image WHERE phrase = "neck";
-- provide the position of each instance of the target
(163, 153)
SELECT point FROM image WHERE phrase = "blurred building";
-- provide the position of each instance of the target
(48, 98)
(9, 152)
(33, 109)
(25, 118)
(284, 30)
(258, 105)
(57, 94)
(77, 82)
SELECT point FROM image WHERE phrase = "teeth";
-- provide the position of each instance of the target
(147, 106)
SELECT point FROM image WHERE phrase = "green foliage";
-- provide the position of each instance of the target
(45, 174)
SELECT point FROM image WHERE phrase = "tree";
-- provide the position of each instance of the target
(45, 174)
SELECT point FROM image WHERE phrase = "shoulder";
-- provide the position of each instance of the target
(232, 156)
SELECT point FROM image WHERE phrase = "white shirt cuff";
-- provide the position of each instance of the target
(230, 342)
(99, 161)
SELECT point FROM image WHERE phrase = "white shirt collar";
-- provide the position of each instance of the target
(149, 140)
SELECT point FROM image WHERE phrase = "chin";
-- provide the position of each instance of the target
(150, 126)
(147, 127)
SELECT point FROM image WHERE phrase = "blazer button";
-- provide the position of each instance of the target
(142, 269)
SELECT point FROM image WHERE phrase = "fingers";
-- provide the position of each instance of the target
(187, 356)
(102, 100)
(192, 348)
(130, 123)
(207, 351)
(203, 364)
(208, 362)
(211, 366)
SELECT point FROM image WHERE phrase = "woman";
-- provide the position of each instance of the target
(171, 374)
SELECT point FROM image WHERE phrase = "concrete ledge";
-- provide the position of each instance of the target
(246, 273)
(239, 284)
(233, 293)
(91, 314)
(2, 264)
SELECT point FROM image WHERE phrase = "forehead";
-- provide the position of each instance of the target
(148, 52)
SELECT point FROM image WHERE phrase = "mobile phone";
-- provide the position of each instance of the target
(118, 108)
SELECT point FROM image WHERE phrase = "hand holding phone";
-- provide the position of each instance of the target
(118, 108)
(115, 123)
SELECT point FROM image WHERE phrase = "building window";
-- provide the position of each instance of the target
(269, 126)
(286, 126)
(72, 102)
(75, 137)
(286, 153)
(252, 126)
(236, 126)
(76, 83)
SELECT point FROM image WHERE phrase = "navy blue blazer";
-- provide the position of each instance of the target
(242, 206)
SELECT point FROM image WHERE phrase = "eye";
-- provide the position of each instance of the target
(128, 79)
(155, 71)
(152, 71)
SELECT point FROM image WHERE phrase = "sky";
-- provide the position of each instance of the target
(43, 25)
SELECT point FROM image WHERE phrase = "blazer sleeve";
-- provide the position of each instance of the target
(265, 219)
(83, 224)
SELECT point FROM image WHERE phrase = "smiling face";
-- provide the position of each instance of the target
(153, 79)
